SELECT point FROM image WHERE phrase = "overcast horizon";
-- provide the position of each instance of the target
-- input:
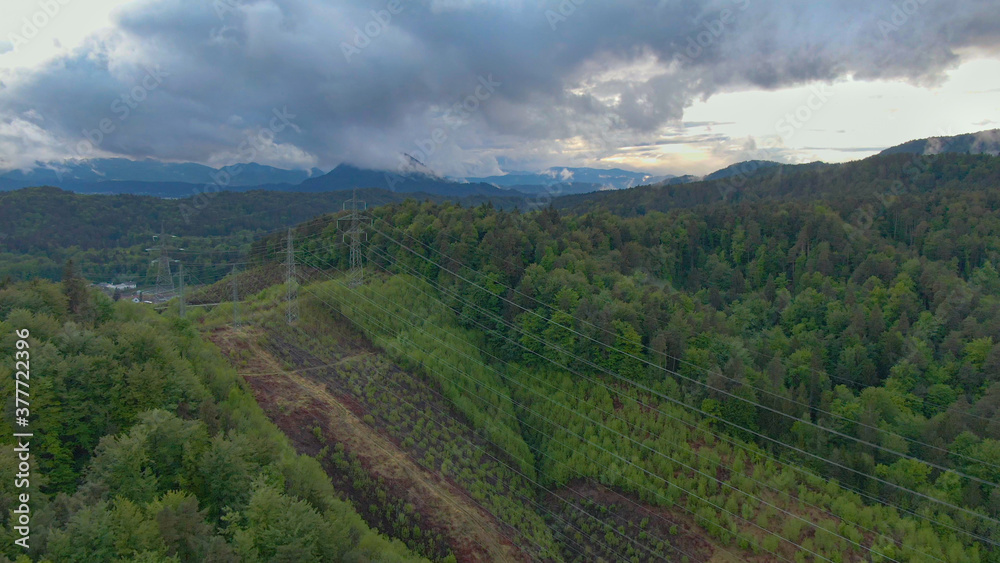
(477, 87)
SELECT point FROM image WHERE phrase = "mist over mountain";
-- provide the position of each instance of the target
(982, 142)
(613, 178)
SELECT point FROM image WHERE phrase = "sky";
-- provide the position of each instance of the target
(479, 87)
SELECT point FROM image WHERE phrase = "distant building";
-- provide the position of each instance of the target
(119, 286)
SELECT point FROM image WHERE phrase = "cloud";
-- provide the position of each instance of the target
(603, 75)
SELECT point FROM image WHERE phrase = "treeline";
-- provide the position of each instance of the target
(107, 235)
(147, 447)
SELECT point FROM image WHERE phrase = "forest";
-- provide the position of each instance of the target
(851, 362)
(802, 364)
(107, 235)
(149, 448)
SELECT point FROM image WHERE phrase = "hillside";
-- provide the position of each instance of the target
(745, 168)
(108, 235)
(982, 142)
(748, 382)
(849, 186)
(147, 446)
(393, 439)
(804, 367)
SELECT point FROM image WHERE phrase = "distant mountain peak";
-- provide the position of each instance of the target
(411, 165)
(410, 176)
(981, 142)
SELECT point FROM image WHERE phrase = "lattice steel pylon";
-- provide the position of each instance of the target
(354, 236)
(292, 305)
(164, 279)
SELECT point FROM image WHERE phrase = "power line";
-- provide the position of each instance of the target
(507, 261)
(473, 445)
(236, 298)
(880, 501)
(729, 394)
(485, 402)
(612, 347)
(758, 434)
(354, 234)
(291, 282)
(613, 454)
(631, 425)
(310, 237)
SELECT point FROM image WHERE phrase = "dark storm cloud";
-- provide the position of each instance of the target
(368, 80)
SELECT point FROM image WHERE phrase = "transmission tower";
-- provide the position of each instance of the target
(355, 235)
(164, 279)
(292, 311)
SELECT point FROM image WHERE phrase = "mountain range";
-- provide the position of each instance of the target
(173, 180)
(97, 171)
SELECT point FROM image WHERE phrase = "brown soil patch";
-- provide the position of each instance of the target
(297, 404)
(688, 539)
